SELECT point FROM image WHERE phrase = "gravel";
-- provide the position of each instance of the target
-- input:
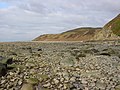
(61, 66)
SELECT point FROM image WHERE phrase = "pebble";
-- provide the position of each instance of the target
(86, 88)
(92, 84)
(20, 82)
(61, 79)
(12, 80)
(77, 69)
(11, 73)
(47, 85)
(60, 86)
(3, 81)
(56, 81)
(84, 81)
(66, 78)
(73, 79)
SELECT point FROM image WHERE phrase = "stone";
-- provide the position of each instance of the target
(32, 71)
(10, 85)
(9, 61)
(61, 79)
(29, 65)
(77, 69)
(11, 73)
(66, 78)
(56, 81)
(3, 69)
(27, 87)
(73, 79)
(101, 85)
(65, 86)
(20, 82)
(6, 60)
(1, 57)
(92, 84)
(43, 77)
(117, 87)
(47, 85)
(39, 49)
(84, 81)
(12, 80)
(60, 86)
(86, 88)
(3, 81)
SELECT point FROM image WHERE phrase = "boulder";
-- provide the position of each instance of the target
(3, 64)
(3, 69)
(27, 87)
(6, 60)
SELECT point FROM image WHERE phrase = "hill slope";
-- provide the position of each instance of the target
(114, 25)
(111, 31)
(79, 34)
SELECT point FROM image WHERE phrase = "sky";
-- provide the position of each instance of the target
(24, 20)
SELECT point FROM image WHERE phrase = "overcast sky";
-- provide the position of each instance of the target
(22, 20)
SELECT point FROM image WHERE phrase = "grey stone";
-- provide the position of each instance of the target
(56, 81)
(20, 82)
(73, 79)
(27, 87)
(47, 85)
(3, 69)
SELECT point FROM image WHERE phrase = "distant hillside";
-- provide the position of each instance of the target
(79, 34)
(111, 31)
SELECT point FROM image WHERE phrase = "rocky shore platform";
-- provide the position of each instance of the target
(60, 65)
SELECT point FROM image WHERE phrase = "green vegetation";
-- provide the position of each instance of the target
(42, 77)
(116, 27)
(33, 81)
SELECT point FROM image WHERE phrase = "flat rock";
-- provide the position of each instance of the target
(27, 87)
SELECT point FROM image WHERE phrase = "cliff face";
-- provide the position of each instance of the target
(79, 34)
(114, 25)
(111, 31)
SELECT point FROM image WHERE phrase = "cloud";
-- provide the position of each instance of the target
(27, 19)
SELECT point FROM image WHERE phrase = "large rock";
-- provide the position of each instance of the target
(27, 87)
(6, 60)
(3, 64)
(3, 69)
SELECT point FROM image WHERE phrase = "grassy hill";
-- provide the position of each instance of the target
(114, 25)
(79, 34)
(110, 31)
